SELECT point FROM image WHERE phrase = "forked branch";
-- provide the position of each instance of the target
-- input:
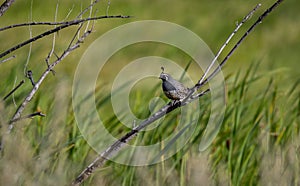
(74, 44)
(37, 84)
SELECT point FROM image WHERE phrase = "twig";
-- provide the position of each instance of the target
(33, 24)
(87, 8)
(90, 15)
(63, 26)
(29, 76)
(53, 40)
(102, 158)
(30, 116)
(13, 90)
(4, 7)
(30, 45)
(7, 59)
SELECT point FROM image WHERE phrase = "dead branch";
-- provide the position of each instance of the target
(196, 87)
(33, 24)
(258, 21)
(7, 59)
(61, 27)
(13, 90)
(36, 86)
(87, 8)
(30, 116)
(103, 157)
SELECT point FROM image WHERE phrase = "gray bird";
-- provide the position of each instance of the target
(172, 88)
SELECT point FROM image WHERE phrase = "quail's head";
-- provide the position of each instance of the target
(172, 88)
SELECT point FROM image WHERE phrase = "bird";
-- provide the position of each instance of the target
(172, 88)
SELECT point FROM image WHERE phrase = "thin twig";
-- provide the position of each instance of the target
(33, 24)
(5, 6)
(30, 116)
(30, 46)
(53, 40)
(13, 90)
(63, 26)
(30, 77)
(108, 6)
(90, 15)
(227, 41)
(7, 59)
(87, 8)
(69, 13)
(50, 67)
(104, 156)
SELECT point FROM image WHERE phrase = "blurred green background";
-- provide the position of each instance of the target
(259, 139)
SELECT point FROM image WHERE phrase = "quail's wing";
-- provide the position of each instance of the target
(179, 86)
(167, 86)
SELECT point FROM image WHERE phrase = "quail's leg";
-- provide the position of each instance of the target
(174, 102)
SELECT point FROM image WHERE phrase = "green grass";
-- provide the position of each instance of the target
(259, 139)
(255, 126)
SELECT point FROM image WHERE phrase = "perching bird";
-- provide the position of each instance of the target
(172, 88)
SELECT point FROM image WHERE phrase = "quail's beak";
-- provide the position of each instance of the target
(163, 76)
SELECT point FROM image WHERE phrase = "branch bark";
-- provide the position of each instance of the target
(5, 6)
(13, 90)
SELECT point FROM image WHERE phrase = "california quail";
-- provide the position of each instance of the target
(172, 88)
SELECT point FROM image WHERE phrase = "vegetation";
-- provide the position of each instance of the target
(259, 139)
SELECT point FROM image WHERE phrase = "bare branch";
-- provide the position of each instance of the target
(87, 8)
(247, 17)
(115, 147)
(13, 90)
(30, 45)
(33, 24)
(7, 59)
(29, 76)
(50, 67)
(53, 40)
(63, 26)
(30, 116)
(111, 150)
(5, 6)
